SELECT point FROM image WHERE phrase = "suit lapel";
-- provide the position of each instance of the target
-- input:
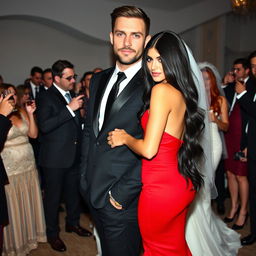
(129, 91)
(102, 85)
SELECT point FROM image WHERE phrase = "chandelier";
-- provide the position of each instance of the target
(243, 7)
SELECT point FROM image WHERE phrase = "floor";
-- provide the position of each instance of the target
(83, 246)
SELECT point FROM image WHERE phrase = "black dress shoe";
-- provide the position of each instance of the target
(248, 240)
(78, 230)
(57, 244)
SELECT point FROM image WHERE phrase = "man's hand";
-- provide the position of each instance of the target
(6, 106)
(76, 102)
(239, 87)
(118, 207)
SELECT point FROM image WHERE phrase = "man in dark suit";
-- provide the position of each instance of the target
(249, 105)
(238, 182)
(111, 178)
(60, 131)
(5, 124)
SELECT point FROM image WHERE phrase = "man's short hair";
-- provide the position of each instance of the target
(36, 70)
(130, 12)
(59, 66)
(245, 63)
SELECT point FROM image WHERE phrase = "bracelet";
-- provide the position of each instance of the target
(115, 202)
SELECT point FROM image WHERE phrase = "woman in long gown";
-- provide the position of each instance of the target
(26, 218)
(213, 237)
(173, 124)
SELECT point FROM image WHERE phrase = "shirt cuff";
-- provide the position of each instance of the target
(238, 96)
(71, 111)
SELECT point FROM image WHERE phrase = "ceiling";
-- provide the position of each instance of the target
(168, 5)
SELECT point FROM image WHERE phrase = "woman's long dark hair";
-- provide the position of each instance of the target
(178, 73)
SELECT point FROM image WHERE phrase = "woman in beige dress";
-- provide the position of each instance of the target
(26, 218)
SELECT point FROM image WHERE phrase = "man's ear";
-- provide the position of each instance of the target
(147, 40)
(111, 37)
(57, 79)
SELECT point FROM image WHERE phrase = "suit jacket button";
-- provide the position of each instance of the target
(97, 143)
(75, 142)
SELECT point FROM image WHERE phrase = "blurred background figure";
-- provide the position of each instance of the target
(23, 95)
(96, 70)
(25, 208)
(47, 79)
(35, 82)
(85, 83)
(1, 80)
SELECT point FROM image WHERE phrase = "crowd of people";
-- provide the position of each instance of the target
(139, 142)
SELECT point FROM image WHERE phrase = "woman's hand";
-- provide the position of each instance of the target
(6, 105)
(116, 138)
(212, 116)
(30, 108)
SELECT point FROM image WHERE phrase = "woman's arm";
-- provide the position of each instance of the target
(161, 103)
(223, 122)
(32, 126)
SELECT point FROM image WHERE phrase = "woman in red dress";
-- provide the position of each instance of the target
(173, 124)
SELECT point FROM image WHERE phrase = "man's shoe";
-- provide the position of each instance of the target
(78, 230)
(248, 240)
(57, 244)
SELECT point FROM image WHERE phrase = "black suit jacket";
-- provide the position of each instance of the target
(5, 125)
(250, 107)
(229, 93)
(60, 132)
(103, 168)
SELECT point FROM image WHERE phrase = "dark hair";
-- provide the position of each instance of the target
(178, 73)
(47, 70)
(243, 61)
(36, 70)
(59, 66)
(86, 74)
(252, 55)
(130, 12)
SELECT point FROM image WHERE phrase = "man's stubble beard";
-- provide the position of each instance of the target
(132, 61)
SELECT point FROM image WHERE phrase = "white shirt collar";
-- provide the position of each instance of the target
(63, 92)
(131, 71)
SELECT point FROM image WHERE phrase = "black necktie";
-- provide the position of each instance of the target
(113, 93)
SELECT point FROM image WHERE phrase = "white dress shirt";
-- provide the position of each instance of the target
(130, 73)
(63, 92)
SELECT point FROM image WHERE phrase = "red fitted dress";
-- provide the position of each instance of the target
(164, 201)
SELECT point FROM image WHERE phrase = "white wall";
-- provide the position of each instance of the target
(25, 44)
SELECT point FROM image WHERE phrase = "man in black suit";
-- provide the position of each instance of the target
(59, 123)
(249, 105)
(111, 178)
(5, 124)
(47, 79)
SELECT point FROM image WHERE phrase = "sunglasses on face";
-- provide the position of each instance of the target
(69, 78)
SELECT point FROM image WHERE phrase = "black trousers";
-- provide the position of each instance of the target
(58, 182)
(252, 193)
(220, 182)
(118, 230)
